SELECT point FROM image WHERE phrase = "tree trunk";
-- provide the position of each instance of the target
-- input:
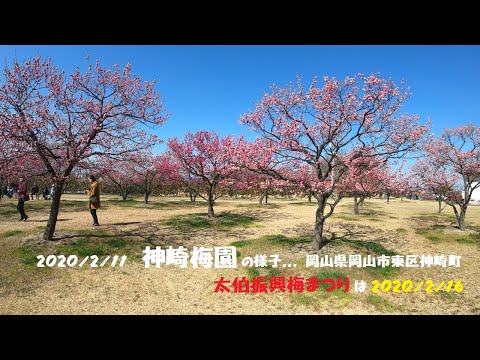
(54, 208)
(317, 244)
(211, 213)
(461, 218)
(211, 201)
(124, 196)
(361, 201)
(123, 193)
(145, 197)
(439, 205)
(266, 197)
(192, 195)
(309, 196)
(388, 198)
(356, 205)
(319, 221)
(260, 201)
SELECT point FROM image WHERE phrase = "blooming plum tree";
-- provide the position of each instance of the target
(454, 159)
(67, 119)
(204, 156)
(326, 127)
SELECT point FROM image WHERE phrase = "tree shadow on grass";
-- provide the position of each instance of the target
(222, 222)
(371, 212)
(148, 233)
(175, 231)
(126, 223)
(280, 239)
(304, 203)
(132, 203)
(433, 223)
(44, 221)
(262, 206)
(433, 218)
(354, 235)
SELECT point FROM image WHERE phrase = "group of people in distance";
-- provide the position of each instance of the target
(22, 196)
(47, 193)
(8, 190)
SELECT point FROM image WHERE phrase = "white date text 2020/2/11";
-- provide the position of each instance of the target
(72, 261)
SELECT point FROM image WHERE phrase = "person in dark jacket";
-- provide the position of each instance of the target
(22, 193)
(35, 192)
(46, 192)
(10, 191)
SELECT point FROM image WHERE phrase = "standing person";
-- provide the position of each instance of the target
(52, 191)
(10, 191)
(34, 191)
(46, 192)
(22, 194)
(93, 198)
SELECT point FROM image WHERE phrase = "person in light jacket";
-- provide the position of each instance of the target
(93, 198)
(52, 191)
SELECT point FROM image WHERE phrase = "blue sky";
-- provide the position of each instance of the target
(209, 87)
